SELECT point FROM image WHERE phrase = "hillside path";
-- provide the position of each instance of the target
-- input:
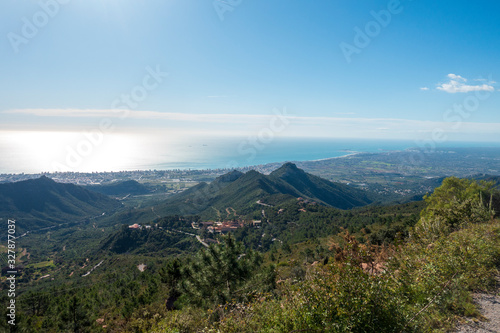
(489, 306)
(201, 241)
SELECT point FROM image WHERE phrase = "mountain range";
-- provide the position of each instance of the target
(42, 202)
(250, 191)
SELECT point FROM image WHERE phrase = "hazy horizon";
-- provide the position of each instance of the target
(37, 152)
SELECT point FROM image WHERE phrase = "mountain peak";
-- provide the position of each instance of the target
(290, 165)
(283, 185)
(43, 180)
(229, 177)
(286, 170)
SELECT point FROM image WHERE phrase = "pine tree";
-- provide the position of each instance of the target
(219, 273)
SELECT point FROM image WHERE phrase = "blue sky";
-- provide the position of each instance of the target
(425, 66)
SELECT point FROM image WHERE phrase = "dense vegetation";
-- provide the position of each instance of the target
(298, 221)
(167, 236)
(44, 203)
(455, 203)
(421, 289)
(117, 293)
(417, 286)
(220, 274)
(309, 267)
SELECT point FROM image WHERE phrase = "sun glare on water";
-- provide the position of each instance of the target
(43, 151)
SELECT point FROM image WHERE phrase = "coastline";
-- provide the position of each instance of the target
(188, 170)
(331, 158)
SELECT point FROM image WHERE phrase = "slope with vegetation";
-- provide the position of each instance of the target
(422, 286)
(42, 202)
(309, 268)
(162, 238)
(243, 191)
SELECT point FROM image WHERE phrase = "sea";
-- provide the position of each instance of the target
(35, 152)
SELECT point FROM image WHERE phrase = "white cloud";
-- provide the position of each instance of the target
(456, 77)
(424, 88)
(145, 115)
(457, 84)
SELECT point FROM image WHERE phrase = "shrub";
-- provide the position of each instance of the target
(454, 204)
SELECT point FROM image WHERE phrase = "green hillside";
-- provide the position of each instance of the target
(319, 189)
(251, 191)
(42, 202)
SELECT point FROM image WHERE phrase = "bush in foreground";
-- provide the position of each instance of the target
(423, 289)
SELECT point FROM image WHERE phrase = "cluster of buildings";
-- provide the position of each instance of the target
(226, 226)
(138, 226)
(306, 201)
